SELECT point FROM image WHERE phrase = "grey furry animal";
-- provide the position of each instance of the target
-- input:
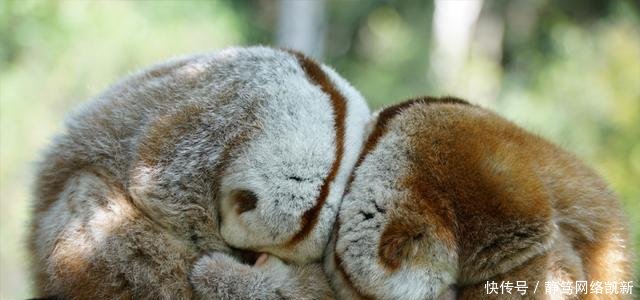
(127, 201)
(447, 196)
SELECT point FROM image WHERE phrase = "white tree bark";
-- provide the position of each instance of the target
(453, 24)
(302, 26)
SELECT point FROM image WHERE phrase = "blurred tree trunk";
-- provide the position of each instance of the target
(484, 72)
(453, 29)
(302, 26)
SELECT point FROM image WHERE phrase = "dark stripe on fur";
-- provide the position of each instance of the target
(319, 78)
(380, 128)
(386, 115)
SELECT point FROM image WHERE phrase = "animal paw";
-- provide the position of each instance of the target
(221, 276)
(271, 264)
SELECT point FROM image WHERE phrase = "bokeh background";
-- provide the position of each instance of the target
(567, 70)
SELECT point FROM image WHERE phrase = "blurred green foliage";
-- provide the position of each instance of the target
(568, 71)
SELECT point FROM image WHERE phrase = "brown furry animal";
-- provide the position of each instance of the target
(447, 196)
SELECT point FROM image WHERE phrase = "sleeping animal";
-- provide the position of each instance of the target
(447, 196)
(127, 200)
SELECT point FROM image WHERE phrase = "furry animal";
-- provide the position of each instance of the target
(447, 196)
(127, 201)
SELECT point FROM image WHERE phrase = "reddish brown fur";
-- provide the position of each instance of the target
(462, 197)
(390, 248)
(387, 114)
(492, 193)
(380, 128)
(484, 182)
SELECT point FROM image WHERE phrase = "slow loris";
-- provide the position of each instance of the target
(127, 199)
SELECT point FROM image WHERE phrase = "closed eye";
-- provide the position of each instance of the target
(245, 200)
(295, 178)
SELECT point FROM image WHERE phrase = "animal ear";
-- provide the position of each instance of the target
(398, 243)
(391, 251)
(244, 200)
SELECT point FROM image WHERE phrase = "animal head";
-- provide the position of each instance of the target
(431, 171)
(262, 139)
(281, 187)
